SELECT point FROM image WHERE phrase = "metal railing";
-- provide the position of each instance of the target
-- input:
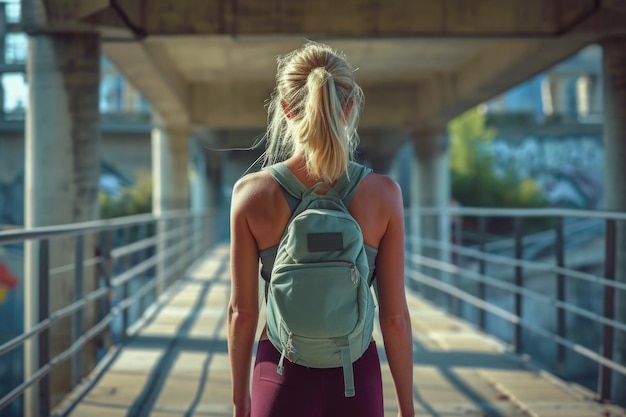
(536, 298)
(133, 259)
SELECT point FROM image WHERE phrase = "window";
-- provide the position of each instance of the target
(13, 11)
(16, 45)
(15, 93)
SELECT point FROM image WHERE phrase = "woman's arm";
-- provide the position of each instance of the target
(243, 311)
(395, 321)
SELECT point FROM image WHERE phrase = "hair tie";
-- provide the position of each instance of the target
(319, 74)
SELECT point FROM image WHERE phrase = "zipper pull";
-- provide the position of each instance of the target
(354, 274)
(279, 369)
(286, 352)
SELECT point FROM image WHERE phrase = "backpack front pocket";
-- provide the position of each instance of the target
(317, 300)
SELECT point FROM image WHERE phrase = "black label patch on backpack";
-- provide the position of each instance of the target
(324, 242)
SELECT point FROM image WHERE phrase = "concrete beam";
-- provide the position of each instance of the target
(349, 18)
(89, 7)
(230, 104)
(241, 104)
(430, 102)
(614, 5)
(150, 71)
(609, 21)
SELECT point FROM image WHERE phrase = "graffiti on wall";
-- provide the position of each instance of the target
(8, 281)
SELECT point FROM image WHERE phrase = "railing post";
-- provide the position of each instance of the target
(604, 373)
(125, 290)
(107, 271)
(519, 283)
(142, 233)
(482, 267)
(77, 316)
(561, 325)
(44, 336)
(161, 230)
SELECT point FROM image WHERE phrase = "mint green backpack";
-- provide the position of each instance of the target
(320, 310)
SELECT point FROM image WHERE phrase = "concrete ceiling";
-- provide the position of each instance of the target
(211, 63)
(215, 58)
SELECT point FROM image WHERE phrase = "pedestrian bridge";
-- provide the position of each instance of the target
(148, 324)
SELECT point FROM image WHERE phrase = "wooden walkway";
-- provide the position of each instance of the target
(177, 365)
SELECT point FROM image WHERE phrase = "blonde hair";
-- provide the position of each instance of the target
(315, 107)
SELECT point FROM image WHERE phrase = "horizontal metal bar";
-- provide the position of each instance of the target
(478, 277)
(76, 229)
(88, 382)
(503, 260)
(132, 272)
(575, 347)
(91, 226)
(19, 390)
(127, 302)
(418, 276)
(134, 247)
(45, 370)
(509, 212)
(69, 268)
(57, 315)
(165, 237)
(435, 283)
(80, 342)
(498, 242)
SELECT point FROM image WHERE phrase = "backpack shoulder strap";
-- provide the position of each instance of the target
(294, 189)
(349, 182)
(290, 185)
(286, 179)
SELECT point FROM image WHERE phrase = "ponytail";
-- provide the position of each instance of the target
(322, 132)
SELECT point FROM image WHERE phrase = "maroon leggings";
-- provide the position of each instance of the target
(314, 392)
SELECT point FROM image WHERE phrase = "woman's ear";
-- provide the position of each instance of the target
(288, 112)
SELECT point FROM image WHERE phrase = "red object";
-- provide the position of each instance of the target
(7, 279)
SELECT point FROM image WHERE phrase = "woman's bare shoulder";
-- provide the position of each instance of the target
(382, 186)
(253, 187)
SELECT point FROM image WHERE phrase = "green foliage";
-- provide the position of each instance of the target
(468, 135)
(474, 181)
(132, 200)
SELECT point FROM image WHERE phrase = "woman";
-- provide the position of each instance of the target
(313, 116)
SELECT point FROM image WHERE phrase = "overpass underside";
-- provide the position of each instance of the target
(207, 67)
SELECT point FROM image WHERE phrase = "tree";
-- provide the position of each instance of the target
(474, 181)
(132, 200)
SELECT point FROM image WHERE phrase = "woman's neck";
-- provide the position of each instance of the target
(297, 165)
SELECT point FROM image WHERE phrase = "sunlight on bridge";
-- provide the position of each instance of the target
(177, 364)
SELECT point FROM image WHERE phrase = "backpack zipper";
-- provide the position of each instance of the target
(354, 274)
(286, 352)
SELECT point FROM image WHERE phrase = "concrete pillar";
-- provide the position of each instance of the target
(430, 189)
(198, 187)
(170, 190)
(170, 169)
(615, 178)
(202, 196)
(216, 203)
(61, 182)
(3, 25)
(558, 94)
